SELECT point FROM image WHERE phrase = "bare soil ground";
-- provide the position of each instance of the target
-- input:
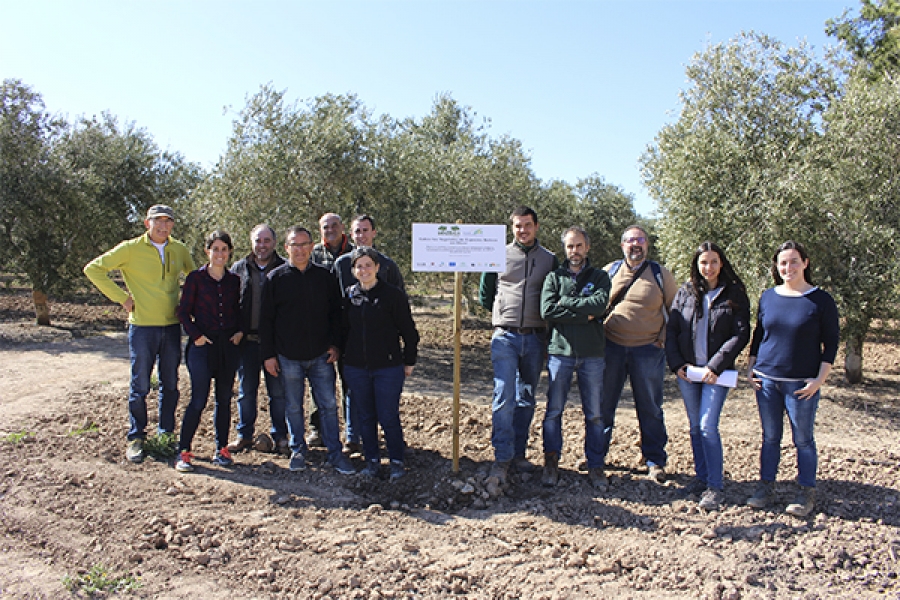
(69, 501)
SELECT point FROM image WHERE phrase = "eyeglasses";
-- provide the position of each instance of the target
(299, 244)
(634, 240)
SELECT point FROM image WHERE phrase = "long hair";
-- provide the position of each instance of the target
(727, 276)
(792, 245)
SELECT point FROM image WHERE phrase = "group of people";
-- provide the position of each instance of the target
(292, 318)
(343, 304)
(629, 320)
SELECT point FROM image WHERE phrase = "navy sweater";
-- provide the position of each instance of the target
(795, 334)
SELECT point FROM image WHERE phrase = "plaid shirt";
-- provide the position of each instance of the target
(208, 306)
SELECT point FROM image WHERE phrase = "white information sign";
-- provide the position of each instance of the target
(458, 247)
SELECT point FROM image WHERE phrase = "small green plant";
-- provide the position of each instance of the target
(17, 437)
(88, 427)
(99, 579)
(154, 381)
(162, 445)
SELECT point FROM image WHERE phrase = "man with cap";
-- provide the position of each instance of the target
(151, 266)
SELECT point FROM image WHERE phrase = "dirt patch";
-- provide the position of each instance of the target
(70, 501)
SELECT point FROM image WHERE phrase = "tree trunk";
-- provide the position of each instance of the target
(853, 359)
(41, 307)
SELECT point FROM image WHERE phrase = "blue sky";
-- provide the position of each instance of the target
(585, 85)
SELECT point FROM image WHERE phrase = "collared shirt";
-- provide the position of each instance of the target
(208, 306)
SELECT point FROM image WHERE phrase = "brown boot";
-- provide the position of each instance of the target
(551, 469)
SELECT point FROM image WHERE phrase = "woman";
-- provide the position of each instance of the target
(793, 348)
(209, 313)
(709, 325)
(376, 318)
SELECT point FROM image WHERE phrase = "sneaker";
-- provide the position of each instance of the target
(184, 462)
(135, 450)
(239, 445)
(283, 447)
(397, 470)
(657, 474)
(298, 462)
(523, 465)
(803, 504)
(762, 496)
(550, 476)
(499, 470)
(313, 439)
(695, 488)
(711, 499)
(343, 465)
(372, 469)
(223, 457)
(352, 449)
(598, 479)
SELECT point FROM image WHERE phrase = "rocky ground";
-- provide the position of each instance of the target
(70, 502)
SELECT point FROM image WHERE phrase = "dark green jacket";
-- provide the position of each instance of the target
(567, 306)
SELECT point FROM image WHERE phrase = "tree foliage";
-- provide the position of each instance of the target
(872, 38)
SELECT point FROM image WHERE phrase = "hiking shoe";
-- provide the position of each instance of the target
(695, 488)
(343, 465)
(184, 462)
(135, 450)
(223, 458)
(239, 445)
(352, 449)
(313, 439)
(372, 469)
(283, 447)
(550, 476)
(523, 465)
(657, 474)
(711, 499)
(803, 504)
(298, 462)
(397, 470)
(499, 470)
(598, 479)
(762, 496)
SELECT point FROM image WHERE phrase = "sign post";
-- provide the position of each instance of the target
(458, 248)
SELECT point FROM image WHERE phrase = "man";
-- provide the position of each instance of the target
(641, 294)
(334, 244)
(299, 330)
(518, 342)
(573, 301)
(253, 270)
(363, 231)
(150, 265)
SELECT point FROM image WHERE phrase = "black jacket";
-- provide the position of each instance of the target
(729, 328)
(242, 269)
(374, 321)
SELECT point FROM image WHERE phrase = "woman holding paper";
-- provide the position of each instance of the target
(708, 327)
(794, 345)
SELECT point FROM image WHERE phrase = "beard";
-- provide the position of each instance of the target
(636, 253)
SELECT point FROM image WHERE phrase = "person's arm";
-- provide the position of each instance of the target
(551, 310)
(403, 321)
(592, 296)
(677, 321)
(334, 299)
(97, 271)
(740, 333)
(487, 290)
(186, 308)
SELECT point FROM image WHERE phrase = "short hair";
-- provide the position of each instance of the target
(578, 230)
(262, 226)
(524, 211)
(365, 218)
(792, 245)
(216, 235)
(639, 228)
(331, 214)
(295, 229)
(361, 251)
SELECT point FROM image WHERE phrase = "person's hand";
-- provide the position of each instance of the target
(271, 365)
(682, 373)
(128, 305)
(709, 376)
(809, 390)
(333, 354)
(755, 382)
(202, 341)
(408, 370)
(236, 338)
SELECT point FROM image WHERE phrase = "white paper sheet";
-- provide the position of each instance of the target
(726, 379)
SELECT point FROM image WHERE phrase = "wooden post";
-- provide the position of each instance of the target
(457, 343)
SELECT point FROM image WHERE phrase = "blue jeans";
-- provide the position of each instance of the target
(645, 366)
(147, 346)
(376, 398)
(773, 399)
(703, 403)
(517, 363)
(197, 358)
(590, 386)
(320, 374)
(248, 390)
